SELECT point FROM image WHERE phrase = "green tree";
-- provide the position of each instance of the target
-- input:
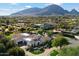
(16, 51)
(11, 28)
(4, 41)
(22, 29)
(10, 44)
(2, 48)
(59, 41)
(53, 53)
(69, 51)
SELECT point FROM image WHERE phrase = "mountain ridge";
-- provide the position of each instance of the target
(47, 11)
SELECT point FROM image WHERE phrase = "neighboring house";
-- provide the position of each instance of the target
(47, 26)
(29, 39)
(44, 26)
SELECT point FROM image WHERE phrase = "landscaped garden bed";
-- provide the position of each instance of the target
(37, 51)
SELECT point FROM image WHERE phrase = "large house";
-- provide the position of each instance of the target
(29, 39)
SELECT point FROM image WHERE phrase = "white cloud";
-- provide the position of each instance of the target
(58, 3)
(39, 1)
(54, 3)
(7, 11)
(13, 3)
(28, 6)
(10, 11)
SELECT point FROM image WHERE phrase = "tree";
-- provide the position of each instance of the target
(2, 48)
(4, 41)
(59, 41)
(53, 53)
(69, 51)
(49, 33)
(11, 28)
(16, 51)
(40, 32)
(22, 29)
(10, 44)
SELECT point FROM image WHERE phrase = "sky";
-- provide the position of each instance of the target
(9, 8)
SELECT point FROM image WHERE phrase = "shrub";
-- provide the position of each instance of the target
(8, 33)
(54, 53)
(37, 51)
(16, 51)
(2, 48)
(59, 41)
(10, 44)
(69, 51)
(4, 41)
(22, 29)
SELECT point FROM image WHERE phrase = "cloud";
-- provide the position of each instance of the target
(13, 3)
(28, 6)
(58, 3)
(54, 3)
(10, 11)
(7, 11)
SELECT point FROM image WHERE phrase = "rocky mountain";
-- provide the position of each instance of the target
(53, 10)
(74, 12)
(47, 11)
(30, 11)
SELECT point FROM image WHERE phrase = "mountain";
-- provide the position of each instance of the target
(74, 12)
(29, 11)
(47, 11)
(52, 10)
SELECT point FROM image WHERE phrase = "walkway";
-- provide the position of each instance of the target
(45, 53)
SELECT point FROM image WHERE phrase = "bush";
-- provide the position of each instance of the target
(10, 44)
(53, 53)
(8, 33)
(49, 33)
(8, 37)
(16, 51)
(37, 51)
(69, 51)
(22, 29)
(59, 41)
(2, 48)
(4, 41)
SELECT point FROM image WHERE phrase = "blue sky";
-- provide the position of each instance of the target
(9, 8)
